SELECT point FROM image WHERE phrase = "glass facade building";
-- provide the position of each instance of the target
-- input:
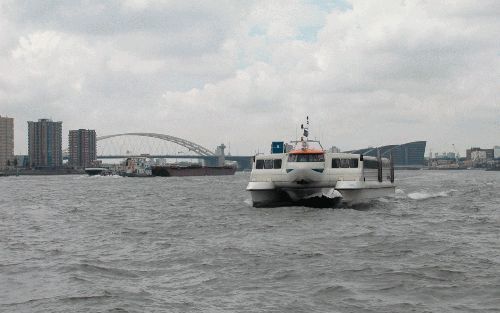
(407, 154)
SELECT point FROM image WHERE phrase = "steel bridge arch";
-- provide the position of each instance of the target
(196, 148)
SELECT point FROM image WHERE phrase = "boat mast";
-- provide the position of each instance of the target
(305, 133)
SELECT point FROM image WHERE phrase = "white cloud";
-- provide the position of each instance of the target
(368, 73)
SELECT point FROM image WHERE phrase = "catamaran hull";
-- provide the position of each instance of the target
(355, 192)
(266, 194)
(264, 198)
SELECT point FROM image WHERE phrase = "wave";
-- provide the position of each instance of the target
(104, 176)
(87, 297)
(89, 268)
(424, 195)
(329, 193)
(106, 294)
(333, 290)
(285, 274)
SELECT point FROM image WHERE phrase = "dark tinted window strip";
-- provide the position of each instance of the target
(345, 163)
(268, 164)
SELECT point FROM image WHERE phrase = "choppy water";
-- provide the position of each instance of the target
(104, 244)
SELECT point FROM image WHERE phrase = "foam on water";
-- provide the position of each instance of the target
(427, 195)
(104, 176)
(399, 191)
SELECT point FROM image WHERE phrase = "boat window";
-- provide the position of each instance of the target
(344, 163)
(306, 157)
(316, 157)
(353, 163)
(277, 163)
(371, 164)
(335, 163)
(268, 164)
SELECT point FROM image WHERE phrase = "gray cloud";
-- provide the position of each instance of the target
(367, 73)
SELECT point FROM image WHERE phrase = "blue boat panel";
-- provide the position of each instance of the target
(277, 147)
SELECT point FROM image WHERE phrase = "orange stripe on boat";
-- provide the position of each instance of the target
(307, 151)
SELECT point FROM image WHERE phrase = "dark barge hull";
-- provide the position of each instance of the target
(167, 171)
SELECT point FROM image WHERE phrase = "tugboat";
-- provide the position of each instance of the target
(137, 167)
(306, 174)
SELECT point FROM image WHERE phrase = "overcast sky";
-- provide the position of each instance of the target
(367, 73)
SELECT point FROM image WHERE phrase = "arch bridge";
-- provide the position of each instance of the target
(200, 150)
(194, 150)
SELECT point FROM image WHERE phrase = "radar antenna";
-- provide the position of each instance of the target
(305, 128)
(304, 139)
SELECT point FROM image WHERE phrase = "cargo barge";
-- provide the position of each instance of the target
(191, 170)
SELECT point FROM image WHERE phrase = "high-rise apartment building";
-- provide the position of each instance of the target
(82, 147)
(45, 143)
(6, 141)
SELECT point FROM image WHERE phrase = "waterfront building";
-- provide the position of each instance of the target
(45, 143)
(479, 156)
(82, 147)
(496, 152)
(21, 161)
(6, 141)
(474, 153)
(407, 154)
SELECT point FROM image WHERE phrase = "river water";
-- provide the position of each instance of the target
(195, 244)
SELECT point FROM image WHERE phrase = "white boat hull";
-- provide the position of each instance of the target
(350, 195)
(355, 192)
(265, 194)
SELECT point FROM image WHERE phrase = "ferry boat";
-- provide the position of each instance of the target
(305, 173)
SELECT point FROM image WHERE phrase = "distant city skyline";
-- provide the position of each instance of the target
(247, 73)
(66, 144)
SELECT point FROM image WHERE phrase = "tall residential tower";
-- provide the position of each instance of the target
(45, 143)
(82, 147)
(6, 141)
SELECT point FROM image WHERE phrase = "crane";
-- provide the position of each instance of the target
(456, 153)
